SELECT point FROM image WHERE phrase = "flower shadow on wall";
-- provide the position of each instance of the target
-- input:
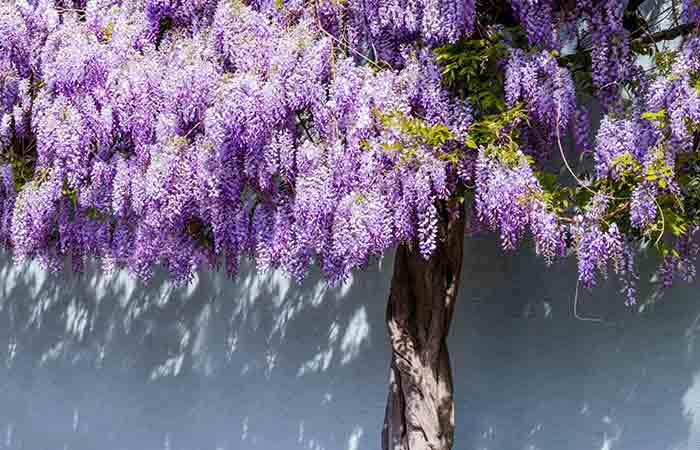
(105, 362)
(534, 377)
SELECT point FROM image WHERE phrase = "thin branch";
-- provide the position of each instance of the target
(306, 129)
(196, 125)
(344, 44)
(648, 38)
(666, 35)
(663, 222)
(621, 208)
(566, 161)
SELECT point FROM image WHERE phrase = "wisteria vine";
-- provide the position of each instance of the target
(188, 133)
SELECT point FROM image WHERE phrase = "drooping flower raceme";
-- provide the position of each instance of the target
(509, 199)
(546, 90)
(188, 133)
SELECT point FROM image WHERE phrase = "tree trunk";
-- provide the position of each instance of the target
(420, 407)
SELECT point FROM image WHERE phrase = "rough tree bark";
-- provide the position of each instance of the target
(420, 411)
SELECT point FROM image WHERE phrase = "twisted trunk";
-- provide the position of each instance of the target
(420, 411)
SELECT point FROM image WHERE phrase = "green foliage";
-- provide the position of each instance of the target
(95, 214)
(23, 171)
(676, 223)
(22, 160)
(663, 61)
(659, 118)
(558, 198)
(626, 166)
(107, 31)
(498, 135)
(433, 135)
(695, 81)
(470, 67)
(415, 133)
(658, 170)
(71, 193)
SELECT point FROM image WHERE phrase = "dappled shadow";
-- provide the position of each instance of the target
(261, 362)
(533, 376)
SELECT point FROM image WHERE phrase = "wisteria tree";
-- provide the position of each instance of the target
(195, 133)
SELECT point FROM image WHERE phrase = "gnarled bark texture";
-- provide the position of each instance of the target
(420, 412)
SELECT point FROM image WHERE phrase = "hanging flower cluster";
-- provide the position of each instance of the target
(188, 133)
(235, 130)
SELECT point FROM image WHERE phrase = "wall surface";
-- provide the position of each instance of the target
(97, 362)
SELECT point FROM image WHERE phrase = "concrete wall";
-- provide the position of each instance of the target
(94, 362)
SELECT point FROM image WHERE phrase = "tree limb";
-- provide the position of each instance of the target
(666, 35)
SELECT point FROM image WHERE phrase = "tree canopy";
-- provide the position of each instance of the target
(190, 133)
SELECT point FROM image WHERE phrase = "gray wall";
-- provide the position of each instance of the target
(98, 362)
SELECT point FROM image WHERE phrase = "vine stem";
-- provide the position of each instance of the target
(663, 221)
(566, 161)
